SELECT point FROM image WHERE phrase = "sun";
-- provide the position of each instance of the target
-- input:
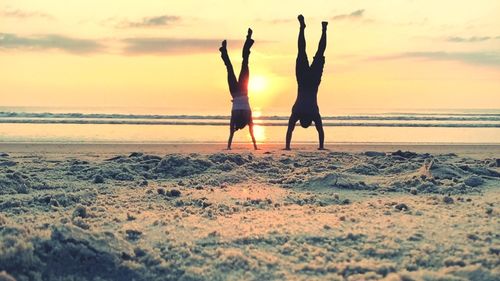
(257, 84)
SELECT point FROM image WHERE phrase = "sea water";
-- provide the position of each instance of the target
(140, 125)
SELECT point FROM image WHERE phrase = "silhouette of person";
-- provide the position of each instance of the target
(306, 108)
(241, 113)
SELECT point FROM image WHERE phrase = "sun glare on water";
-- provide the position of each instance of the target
(260, 133)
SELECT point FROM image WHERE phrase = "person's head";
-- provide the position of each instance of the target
(305, 121)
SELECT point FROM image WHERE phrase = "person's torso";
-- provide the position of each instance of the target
(307, 94)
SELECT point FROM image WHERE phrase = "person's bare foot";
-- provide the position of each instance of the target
(248, 43)
(302, 21)
(249, 34)
(287, 148)
(322, 148)
(324, 24)
(223, 47)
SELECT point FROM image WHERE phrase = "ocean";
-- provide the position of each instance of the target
(146, 125)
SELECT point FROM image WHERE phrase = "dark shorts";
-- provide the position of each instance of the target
(241, 118)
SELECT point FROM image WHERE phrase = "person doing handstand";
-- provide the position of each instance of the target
(306, 108)
(241, 113)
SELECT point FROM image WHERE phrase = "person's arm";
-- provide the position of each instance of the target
(289, 132)
(231, 134)
(321, 134)
(250, 128)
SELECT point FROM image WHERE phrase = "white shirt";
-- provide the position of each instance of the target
(241, 103)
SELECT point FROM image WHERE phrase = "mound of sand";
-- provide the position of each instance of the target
(14, 182)
(181, 166)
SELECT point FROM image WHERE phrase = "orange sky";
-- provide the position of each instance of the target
(380, 54)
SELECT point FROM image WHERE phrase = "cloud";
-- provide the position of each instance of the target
(130, 46)
(354, 15)
(178, 46)
(158, 21)
(475, 58)
(468, 39)
(277, 20)
(165, 46)
(281, 21)
(11, 13)
(47, 42)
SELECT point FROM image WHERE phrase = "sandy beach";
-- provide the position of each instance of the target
(198, 212)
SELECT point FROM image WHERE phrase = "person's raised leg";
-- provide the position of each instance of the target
(291, 126)
(322, 41)
(245, 71)
(231, 77)
(321, 134)
(319, 58)
(302, 63)
(301, 44)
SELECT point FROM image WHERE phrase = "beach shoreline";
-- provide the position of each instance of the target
(490, 150)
